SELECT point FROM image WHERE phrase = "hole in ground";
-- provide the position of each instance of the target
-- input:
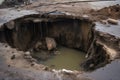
(43, 36)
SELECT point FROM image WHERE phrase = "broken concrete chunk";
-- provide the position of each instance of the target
(112, 21)
(51, 44)
(10, 25)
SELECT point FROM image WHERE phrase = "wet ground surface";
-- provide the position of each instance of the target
(102, 4)
(110, 72)
(109, 28)
(11, 14)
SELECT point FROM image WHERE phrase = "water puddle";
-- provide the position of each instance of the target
(66, 59)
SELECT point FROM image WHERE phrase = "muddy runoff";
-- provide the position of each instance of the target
(40, 36)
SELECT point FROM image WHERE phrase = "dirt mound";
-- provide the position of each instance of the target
(107, 12)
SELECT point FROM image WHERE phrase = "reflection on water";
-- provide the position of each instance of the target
(67, 58)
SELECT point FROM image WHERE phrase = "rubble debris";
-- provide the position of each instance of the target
(112, 21)
(51, 44)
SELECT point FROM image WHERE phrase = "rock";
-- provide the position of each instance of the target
(13, 57)
(33, 60)
(46, 68)
(6, 46)
(86, 16)
(28, 57)
(10, 25)
(67, 71)
(27, 53)
(8, 65)
(33, 63)
(91, 65)
(103, 22)
(51, 44)
(112, 21)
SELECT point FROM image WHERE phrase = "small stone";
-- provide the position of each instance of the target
(33, 60)
(91, 65)
(32, 64)
(6, 46)
(8, 65)
(12, 52)
(28, 57)
(85, 16)
(13, 57)
(103, 21)
(27, 53)
(46, 68)
(67, 71)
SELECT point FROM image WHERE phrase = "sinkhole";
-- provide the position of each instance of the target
(57, 41)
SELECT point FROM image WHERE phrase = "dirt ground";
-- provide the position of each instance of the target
(77, 8)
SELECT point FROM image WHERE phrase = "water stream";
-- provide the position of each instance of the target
(66, 59)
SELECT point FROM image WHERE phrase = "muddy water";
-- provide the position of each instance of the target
(67, 58)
